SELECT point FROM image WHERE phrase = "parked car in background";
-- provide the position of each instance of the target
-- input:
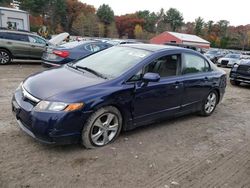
(214, 55)
(17, 44)
(229, 60)
(120, 88)
(240, 73)
(60, 55)
(20, 45)
(121, 41)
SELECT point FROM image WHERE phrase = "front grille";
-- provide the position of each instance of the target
(30, 101)
(245, 69)
(27, 125)
(224, 62)
(29, 98)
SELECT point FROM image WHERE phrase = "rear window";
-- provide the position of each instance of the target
(71, 44)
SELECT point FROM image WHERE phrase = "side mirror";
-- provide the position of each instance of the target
(151, 77)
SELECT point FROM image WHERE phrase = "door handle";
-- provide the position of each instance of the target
(33, 46)
(9, 42)
(206, 79)
(177, 84)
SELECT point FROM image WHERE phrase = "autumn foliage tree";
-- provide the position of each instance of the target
(126, 25)
(74, 9)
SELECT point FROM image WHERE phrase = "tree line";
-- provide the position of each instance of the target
(82, 19)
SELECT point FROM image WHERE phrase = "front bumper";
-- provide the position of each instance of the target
(229, 65)
(48, 127)
(240, 77)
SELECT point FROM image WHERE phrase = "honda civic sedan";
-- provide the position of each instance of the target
(126, 86)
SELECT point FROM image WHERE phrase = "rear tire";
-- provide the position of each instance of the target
(234, 82)
(5, 57)
(209, 104)
(102, 127)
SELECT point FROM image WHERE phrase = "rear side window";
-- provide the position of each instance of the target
(93, 47)
(103, 46)
(14, 36)
(1, 35)
(194, 64)
(35, 39)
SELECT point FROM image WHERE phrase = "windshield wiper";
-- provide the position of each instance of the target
(91, 71)
(71, 65)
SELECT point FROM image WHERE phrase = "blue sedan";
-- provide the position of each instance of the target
(59, 55)
(92, 100)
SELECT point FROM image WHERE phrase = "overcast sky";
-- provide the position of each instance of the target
(237, 12)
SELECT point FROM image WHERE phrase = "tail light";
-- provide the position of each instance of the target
(63, 54)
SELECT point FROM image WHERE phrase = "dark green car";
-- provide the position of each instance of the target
(20, 45)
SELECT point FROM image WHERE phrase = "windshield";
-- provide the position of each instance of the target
(233, 56)
(114, 61)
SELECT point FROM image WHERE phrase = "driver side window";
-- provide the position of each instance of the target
(165, 66)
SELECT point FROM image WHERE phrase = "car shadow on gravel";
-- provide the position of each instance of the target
(23, 63)
(160, 124)
(71, 148)
(244, 86)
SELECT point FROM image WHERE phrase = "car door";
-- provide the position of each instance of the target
(37, 46)
(18, 43)
(159, 99)
(197, 80)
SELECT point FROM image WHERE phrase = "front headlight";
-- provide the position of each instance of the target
(57, 106)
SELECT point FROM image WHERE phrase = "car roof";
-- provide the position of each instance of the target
(18, 32)
(152, 47)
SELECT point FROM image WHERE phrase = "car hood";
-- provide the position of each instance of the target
(55, 81)
(209, 55)
(229, 59)
(245, 62)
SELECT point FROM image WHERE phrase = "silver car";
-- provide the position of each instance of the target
(229, 60)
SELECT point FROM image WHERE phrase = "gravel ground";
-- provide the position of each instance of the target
(191, 151)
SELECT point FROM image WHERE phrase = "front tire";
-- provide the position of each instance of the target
(5, 57)
(209, 104)
(102, 127)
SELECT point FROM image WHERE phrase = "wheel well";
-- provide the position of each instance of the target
(7, 51)
(114, 106)
(218, 94)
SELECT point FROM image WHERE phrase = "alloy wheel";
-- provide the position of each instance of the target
(104, 129)
(4, 57)
(210, 103)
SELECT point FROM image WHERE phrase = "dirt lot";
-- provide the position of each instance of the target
(191, 151)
